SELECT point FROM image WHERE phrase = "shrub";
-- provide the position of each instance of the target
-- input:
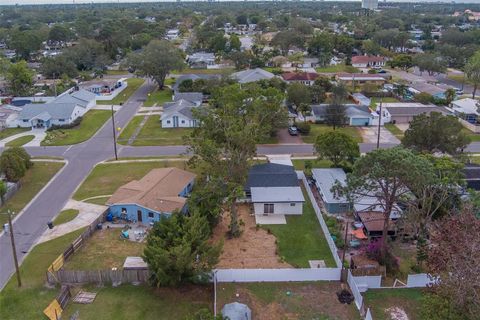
(304, 128)
(75, 123)
(424, 98)
(382, 254)
(14, 163)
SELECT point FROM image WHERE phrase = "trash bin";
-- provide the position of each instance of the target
(99, 226)
(6, 227)
(50, 224)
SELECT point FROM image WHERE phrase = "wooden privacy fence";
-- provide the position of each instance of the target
(76, 244)
(56, 307)
(114, 277)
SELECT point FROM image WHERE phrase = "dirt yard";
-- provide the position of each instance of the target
(295, 300)
(255, 248)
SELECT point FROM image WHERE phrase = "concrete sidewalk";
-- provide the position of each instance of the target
(88, 212)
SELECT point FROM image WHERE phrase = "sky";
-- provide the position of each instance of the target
(11, 2)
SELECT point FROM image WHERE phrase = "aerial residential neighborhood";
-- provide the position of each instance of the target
(239, 160)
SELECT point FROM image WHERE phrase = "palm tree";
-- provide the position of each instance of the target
(303, 108)
(450, 95)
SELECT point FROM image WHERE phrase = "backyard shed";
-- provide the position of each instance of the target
(236, 311)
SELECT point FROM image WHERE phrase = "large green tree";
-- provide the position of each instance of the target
(298, 93)
(178, 250)
(435, 133)
(472, 70)
(14, 163)
(55, 67)
(156, 60)
(337, 147)
(321, 46)
(386, 176)
(224, 143)
(285, 40)
(19, 78)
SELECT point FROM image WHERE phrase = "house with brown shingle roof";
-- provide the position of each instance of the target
(159, 193)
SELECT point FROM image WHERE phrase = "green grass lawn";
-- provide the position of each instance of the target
(302, 238)
(33, 181)
(65, 216)
(158, 97)
(298, 300)
(408, 299)
(152, 134)
(106, 244)
(117, 72)
(20, 141)
(394, 130)
(337, 68)
(133, 85)
(8, 132)
(459, 78)
(91, 122)
(129, 302)
(129, 129)
(33, 297)
(317, 129)
(108, 177)
(474, 137)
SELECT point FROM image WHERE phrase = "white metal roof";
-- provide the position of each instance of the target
(277, 194)
(326, 179)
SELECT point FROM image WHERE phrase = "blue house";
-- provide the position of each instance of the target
(157, 194)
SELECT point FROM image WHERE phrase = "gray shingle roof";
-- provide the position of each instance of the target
(252, 75)
(414, 111)
(271, 175)
(194, 97)
(81, 97)
(55, 110)
(181, 106)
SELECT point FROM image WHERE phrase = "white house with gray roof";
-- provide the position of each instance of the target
(83, 98)
(178, 114)
(274, 191)
(252, 75)
(48, 114)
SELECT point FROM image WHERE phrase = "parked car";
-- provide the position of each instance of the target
(293, 131)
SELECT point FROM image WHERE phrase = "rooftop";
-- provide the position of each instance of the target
(326, 179)
(271, 175)
(277, 194)
(299, 76)
(158, 190)
(367, 59)
(252, 75)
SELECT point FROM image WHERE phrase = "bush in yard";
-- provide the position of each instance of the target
(304, 128)
(72, 125)
(178, 250)
(424, 98)
(14, 163)
(381, 253)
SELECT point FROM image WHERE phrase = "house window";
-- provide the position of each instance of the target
(168, 121)
(61, 120)
(292, 204)
(151, 214)
(25, 120)
(268, 208)
(183, 121)
(124, 210)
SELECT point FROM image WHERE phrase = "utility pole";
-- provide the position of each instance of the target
(14, 250)
(114, 134)
(379, 123)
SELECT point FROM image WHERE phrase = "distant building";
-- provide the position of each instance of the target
(306, 78)
(172, 34)
(350, 79)
(370, 4)
(404, 112)
(252, 75)
(201, 60)
(368, 61)
(357, 116)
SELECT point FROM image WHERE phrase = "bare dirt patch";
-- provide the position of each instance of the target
(255, 248)
(291, 301)
(396, 313)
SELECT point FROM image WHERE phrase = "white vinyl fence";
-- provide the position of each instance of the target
(328, 236)
(420, 280)
(277, 275)
(356, 293)
(368, 282)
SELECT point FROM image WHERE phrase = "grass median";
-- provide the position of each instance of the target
(20, 141)
(129, 129)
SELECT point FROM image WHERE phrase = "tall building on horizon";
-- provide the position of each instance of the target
(370, 4)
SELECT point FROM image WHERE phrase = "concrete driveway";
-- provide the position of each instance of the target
(87, 213)
(285, 138)
(369, 135)
(38, 133)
